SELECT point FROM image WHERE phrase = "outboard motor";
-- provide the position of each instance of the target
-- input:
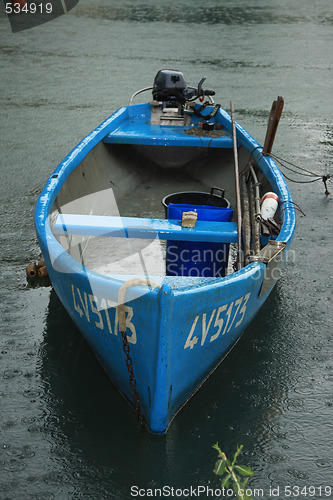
(170, 87)
(172, 104)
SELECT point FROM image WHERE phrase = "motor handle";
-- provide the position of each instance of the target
(208, 92)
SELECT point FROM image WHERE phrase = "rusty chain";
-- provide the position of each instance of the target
(129, 364)
(122, 328)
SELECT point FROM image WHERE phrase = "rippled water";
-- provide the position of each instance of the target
(65, 432)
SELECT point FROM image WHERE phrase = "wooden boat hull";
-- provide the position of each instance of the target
(179, 333)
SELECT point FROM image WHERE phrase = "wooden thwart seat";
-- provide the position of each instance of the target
(138, 227)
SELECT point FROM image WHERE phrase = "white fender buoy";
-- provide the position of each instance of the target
(268, 206)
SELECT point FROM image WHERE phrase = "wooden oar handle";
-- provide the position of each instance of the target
(273, 121)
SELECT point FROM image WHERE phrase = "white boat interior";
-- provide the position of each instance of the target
(129, 181)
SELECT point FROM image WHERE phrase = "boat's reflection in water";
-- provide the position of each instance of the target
(88, 422)
(93, 428)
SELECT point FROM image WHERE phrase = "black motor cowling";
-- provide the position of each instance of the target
(170, 86)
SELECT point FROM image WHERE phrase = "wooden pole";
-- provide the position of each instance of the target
(273, 122)
(246, 220)
(237, 187)
(254, 221)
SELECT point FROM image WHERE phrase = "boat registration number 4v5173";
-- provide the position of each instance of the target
(221, 321)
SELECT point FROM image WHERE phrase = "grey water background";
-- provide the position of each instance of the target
(65, 432)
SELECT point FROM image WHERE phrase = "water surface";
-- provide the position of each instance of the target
(65, 432)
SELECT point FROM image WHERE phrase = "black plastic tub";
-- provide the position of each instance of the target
(196, 198)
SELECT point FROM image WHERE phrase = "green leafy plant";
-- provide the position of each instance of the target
(232, 473)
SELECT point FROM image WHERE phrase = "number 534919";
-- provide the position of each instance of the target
(31, 8)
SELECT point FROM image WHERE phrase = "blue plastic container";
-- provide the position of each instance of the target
(190, 258)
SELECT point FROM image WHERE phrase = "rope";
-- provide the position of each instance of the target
(295, 207)
(301, 171)
(251, 161)
(121, 297)
(283, 161)
(288, 165)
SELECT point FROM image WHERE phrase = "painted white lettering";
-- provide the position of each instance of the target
(93, 302)
(132, 339)
(114, 304)
(129, 315)
(243, 309)
(104, 307)
(76, 306)
(204, 329)
(88, 305)
(228, 315)
(237, 304)
(225, 318)
(218, 322)
(84, 304)
(189, 341)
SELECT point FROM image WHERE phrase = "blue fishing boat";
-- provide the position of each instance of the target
(163, 233)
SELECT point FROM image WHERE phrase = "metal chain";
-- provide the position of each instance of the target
(122, 328)
(129, 364)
